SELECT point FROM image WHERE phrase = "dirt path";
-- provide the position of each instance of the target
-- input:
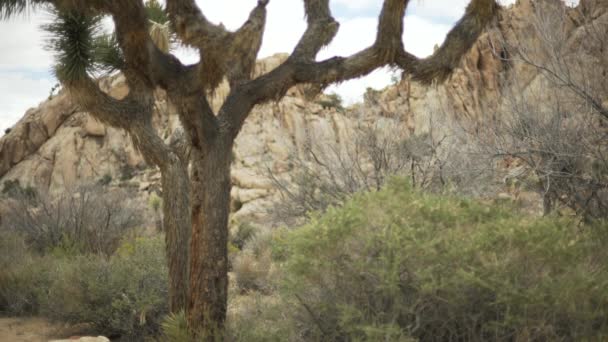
(29, 330)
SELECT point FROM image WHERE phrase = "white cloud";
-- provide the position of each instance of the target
(444, 9)
(18, 92)
(356, 4)
(22, 43)
(284, 26)
(419, 37)
(24, 67)
(354, 34)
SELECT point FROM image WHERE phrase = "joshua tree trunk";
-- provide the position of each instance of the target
(172, 163)
(210, 180)
(200, 224)
(176, 221)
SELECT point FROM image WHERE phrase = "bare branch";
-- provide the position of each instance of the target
(245, 45)
(114, 112)
(386, 50)
(192, 26)
(459, 40)
(322, 28)
(223, 53)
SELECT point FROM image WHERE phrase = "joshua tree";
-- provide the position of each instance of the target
(196, 205)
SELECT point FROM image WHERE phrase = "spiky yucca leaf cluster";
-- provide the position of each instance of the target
(72, 38)
(175, 328)
(9, 8)
(80, 47)
(160, 29)
(108, 54)
(156, 12)
(161, 36)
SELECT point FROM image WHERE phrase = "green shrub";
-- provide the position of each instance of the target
(106, 179)
(331, 100)
(23, 278)
(13, 249)
(14, 189)
(398, 264)
(251, 272)
(260, 318)
(253, 267)
(155, 202)
(86, 220)
(125, 295)
(242, 233)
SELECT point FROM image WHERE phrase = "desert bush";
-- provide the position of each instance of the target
(326, 173)
(22, 285)
(331, 100)
(14, 189)
(124, 295)
(241, 233)
(13, 249)
(251, 318)
(23, 277)
(250, 272)
(253, 267)
(256, 317)
(555, 125)
(85, 220)
(399, 264)
(106, 179)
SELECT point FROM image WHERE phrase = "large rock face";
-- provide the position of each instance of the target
(489, 73)
(57, 146)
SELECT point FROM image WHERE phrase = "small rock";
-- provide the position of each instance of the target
(94, 128)
(84, 339)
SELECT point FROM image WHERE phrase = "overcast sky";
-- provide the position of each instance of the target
(25, 67)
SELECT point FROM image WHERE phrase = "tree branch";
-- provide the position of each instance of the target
(321, 30)
(192, 26)
(223, 53)
(386, 50)
(460, 39)
(245, 46)
(146, 67)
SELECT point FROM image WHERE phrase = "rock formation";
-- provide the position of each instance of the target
(56, 145)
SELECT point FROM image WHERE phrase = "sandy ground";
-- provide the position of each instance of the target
(29, 330)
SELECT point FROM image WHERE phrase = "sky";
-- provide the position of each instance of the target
(25, 66)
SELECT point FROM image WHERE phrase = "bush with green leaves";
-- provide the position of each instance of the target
(87, 219)
(23, 278)
(253, 267)
(402, 265)
(331, 100)
(14, 189)
(241, 233)
(256, 317)
(124, 295)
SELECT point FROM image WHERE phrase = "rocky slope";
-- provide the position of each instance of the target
(491, 71)
(56, 145)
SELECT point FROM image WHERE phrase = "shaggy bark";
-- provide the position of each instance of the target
(200, 209)
(209, 253)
